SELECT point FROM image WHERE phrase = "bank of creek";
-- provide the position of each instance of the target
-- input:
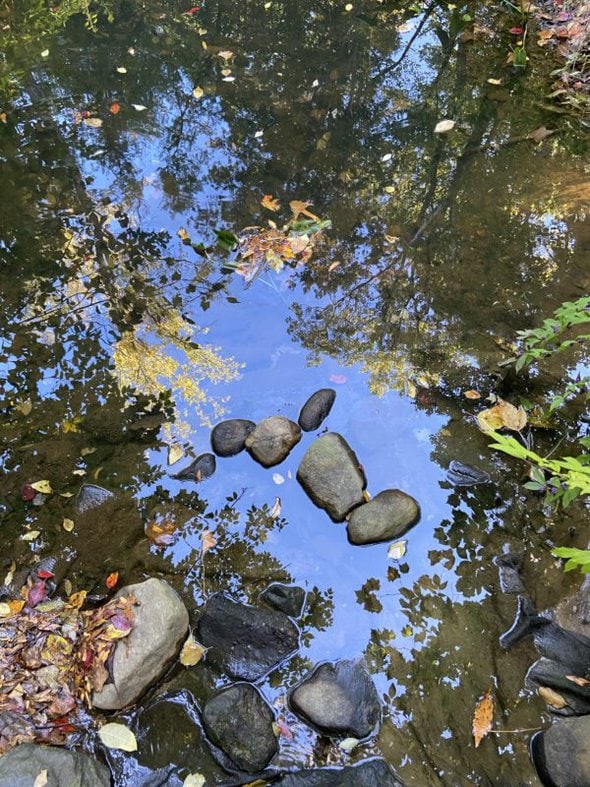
(262, 266)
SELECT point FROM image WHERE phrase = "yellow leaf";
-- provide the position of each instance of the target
(42, 486)
(71, 425)
(483, 717)
(270, 202)
(502, 415)
(31, 535)
(77, 599)
(198, 92)
(24, 407)
(182, 233)
(5, 610)
(68, 525)
(551, 697)
(397, 550)
(175, 453)
(117, 736)
(192, 652)
(93, 122)
(121, 70)
(226, 54)
(87, 451)
(194, 780)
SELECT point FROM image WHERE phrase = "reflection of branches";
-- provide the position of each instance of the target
(392, 66)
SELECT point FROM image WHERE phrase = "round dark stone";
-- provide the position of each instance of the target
(286, 598)
(203, 467)
(388, 515)
(369, 773)
(316, 409)
(272, 439)
(228, 438)
(239, 721)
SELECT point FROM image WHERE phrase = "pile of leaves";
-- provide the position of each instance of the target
(53, 655)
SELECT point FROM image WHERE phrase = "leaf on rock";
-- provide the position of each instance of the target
(42, 486)
(483, 717)
(579, 681)
(192, 652)
(139, 107)
(502, 415)
(31, 535)
(208, 541)
(551, 697)
(117, 736)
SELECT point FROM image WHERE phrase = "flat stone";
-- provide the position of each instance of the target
(286, 598)
(20, 766)
(369, 773)
(331, 475)
(316, 409)
(245, 642)
(388, 515)
(272, 439)
(337, 698)
(239, 721)
(561, 754)
(228, 438)
(140, 659)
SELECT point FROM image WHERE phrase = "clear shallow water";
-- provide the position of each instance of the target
(446, 245)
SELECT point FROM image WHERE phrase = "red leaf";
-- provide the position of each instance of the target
(193, 10)
(44, 574)
(27, 493)
(112, 579)
(115, 108)
(37, 593)
(516, 31)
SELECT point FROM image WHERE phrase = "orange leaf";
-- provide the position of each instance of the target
(115, 108)
(574, 678)
(208, 541)
(472, 394)
(16, 605)
(112, 579)
(270, 202)
(551, 697)
(299, 207)
(483, 717)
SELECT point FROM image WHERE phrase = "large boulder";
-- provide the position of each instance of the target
(160, 627)
(272, 439)
(21, 766)
(337, 698)
(388, 515)
(316, 409)
(229, 437)
(332, 476)
(239, 721)
(244, 641)
(369, 773)
(561, 754)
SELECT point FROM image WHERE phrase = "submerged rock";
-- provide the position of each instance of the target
(228, 438)
(556, 676)
(509, 564)
(316, 409)
(203, 467)
(244, 641)
(272, 439)
(369, 773)
(460, 474)
(331, 475)
(159, 629)
(286, 598)
(91, 496)
(337, 698)
(561, 754)
(239, 721)
(388, 515)
(21, 767)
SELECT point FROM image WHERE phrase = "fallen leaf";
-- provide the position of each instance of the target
(175, 451)
(194, 780)
(472, 394)
(87, 451)
(208, 541)
(139, 107)
(444, 126)
(42, 486)
(160, 531)
(387, 157)
(397, 550)
(492, 81)
(68, 587)
(278, 478)
(36, 593)
(41, 779)
(502, 415)
(226, 54)
(16, 604)
(3, 117)
(483, 717)
(579, 681)
(516, 31)
(198, 92)
(117, 736)
(280, 727)
(93, 122)
(77, 600)
(45, 53)
(270, 202)
(24, 407)
(333, 266)
(121, 70)
(228, 79)
(275, 511)
(300, 208)
(112, 579)
(192, 652)
(31, 535)
(192, 10)
(226, 72)
(541, 133)
(115, 108)
(348, 744)
(5, 609)
(551, 697)
(68, 525)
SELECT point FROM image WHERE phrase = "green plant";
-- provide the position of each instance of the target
(575, 558)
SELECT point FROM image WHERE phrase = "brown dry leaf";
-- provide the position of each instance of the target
(472, 394)
(77, 599)
(226, 54)
(551, 697)
(578, 681)
(208, 541)
(483, 717)
(270, 202)
(298, 207)
(502, 415)
(192, 652)
(541, 133)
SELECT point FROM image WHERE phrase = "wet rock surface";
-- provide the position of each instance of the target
(556, 676)
(371, 773)
(239, 721)
(331, 475)
(509, 564)
(203, 467)
(460, 474)
(22, 765)
(272, 439)
(561, 754)
(160, 627)
(388, 515)
(228, 438)
(246, 642)
(338, 698)
(286, 598)
(316, 409)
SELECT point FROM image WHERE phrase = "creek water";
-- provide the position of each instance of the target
(128, 146)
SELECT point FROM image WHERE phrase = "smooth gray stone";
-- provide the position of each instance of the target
(245, 642)
(286, 598)
(20, 766)
(239, 721)
(228, 438)
(272, 439)
(369, 773)
(316, 409)
(332, 476)
(561, 754)
(388, 515)
(337, 698)
(141, 658)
